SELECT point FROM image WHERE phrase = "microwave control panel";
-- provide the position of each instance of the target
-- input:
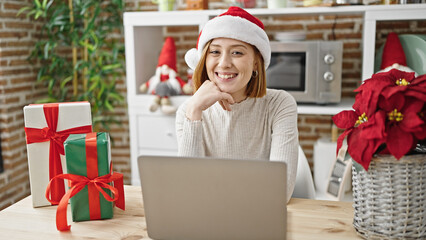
(330, 86)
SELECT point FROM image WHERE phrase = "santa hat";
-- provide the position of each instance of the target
(393, 52)
(168, 54)
(237, 24)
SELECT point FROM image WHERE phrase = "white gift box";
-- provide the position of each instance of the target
(70, 115)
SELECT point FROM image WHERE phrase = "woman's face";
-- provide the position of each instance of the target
(230, 64)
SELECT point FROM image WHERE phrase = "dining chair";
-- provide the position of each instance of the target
(304, 187)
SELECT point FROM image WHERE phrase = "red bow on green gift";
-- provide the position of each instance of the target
(96, 184)
(77, 183)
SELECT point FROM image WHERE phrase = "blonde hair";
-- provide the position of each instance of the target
(256, 87)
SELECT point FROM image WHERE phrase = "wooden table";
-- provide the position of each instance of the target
(307, 219)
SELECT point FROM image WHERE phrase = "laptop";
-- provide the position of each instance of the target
(209, 198)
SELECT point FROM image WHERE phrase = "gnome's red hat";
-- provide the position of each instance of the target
(168, 54)
(393, 52)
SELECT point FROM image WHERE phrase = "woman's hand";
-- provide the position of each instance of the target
(208, 94)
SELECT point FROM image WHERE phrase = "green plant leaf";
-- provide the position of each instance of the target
(111, 66)
(46, 51)
(109, 106)
(93, 86)
(65, 81)
(115, 96)
(38, 14)
(59, 21)
(44, 78)
(50, 86)
(95, 39)
(49, 4)
(101, 91)
(23, 9)
(37, 3)
(89, 46)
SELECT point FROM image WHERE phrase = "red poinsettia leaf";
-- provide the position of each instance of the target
(369, 94)
(345, 119)
(360, 100)
(411, 115)
(362, 150)
(419, 79)
(365, 102)
(411, 122)
(394, 102)
(391, 90)
(419, 87)
(381, 76)
(416, 94)
(370, 84)
(382, 79)
(413, 105)
(397, 74)
(421, 135)
(398, 142)
(356, 147)
(375, 127)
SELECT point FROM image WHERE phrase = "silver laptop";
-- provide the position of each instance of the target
(207, 198)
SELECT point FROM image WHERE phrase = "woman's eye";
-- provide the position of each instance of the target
(214, 52)
(237, 53)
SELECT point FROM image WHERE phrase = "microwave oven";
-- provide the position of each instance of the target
(311, 71)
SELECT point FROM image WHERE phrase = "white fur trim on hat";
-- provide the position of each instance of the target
(234, 27)
(191, 58)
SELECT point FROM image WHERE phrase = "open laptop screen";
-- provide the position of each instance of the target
(207, 198)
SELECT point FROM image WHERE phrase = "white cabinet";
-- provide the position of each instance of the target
(150, 133)
(154, 133)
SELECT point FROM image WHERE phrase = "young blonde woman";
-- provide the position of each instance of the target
(232, 114)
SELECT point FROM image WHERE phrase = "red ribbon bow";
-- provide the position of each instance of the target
(77, 183)
(56, 138)
(94, 183)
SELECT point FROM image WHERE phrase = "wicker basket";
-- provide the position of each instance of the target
(390, 199)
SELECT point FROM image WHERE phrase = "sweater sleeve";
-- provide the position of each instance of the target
(189, 135)
(285, 144)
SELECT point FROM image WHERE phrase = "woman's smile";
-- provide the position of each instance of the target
(226, 77)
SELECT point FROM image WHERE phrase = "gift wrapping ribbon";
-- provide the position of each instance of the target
(56, 138)
(95, 186)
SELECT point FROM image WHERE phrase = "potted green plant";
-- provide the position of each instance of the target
(80, 53)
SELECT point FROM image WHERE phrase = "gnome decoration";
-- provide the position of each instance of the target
(393, 55)
(165, 82)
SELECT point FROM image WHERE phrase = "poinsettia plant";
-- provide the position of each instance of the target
(388, 116)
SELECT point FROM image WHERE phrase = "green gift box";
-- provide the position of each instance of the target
(82, 158)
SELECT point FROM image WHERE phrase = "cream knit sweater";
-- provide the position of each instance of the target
(256, 128)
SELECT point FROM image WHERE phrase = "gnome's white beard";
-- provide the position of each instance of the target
(399, 67)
